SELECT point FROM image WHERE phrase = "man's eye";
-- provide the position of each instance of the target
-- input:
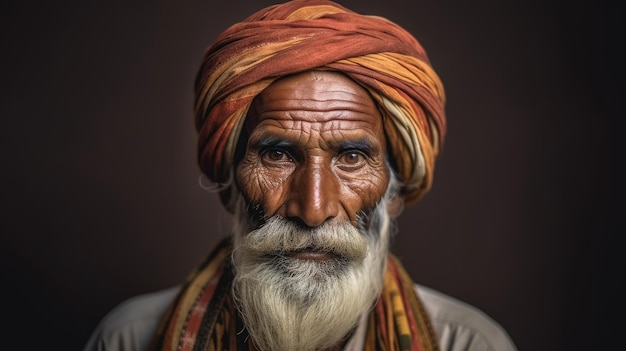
(276, 155)
(351, 158)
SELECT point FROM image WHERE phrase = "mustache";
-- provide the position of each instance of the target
(279, 236)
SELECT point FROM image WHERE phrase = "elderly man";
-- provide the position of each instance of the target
(318, 125)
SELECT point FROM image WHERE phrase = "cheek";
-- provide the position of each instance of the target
(258, 184)
(365, 190)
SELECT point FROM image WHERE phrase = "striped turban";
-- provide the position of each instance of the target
(305, 35)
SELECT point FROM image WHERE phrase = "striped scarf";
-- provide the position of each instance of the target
(203, 315)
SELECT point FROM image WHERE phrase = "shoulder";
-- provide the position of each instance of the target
(461, 326)
(132, 324)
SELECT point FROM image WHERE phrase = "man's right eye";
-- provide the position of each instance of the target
(276, 155)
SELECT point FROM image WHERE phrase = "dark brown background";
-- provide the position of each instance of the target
(100, 187)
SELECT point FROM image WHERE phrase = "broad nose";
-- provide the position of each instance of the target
(313, 195)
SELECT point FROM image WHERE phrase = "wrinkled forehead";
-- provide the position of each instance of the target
(315, 96)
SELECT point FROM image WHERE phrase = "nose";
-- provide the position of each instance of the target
(313, 195)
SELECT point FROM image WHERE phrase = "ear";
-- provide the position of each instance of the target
(396, 206)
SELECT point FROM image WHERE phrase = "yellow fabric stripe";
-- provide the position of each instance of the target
(388, 291)
(402, 67)
(312, 12)
(428, 339)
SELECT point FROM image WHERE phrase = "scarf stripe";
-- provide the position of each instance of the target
(221, 290)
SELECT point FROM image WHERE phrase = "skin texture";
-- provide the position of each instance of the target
(315, 151)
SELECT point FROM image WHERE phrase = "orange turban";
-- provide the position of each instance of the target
(304, 35)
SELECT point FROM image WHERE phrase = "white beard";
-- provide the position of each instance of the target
(294, 304)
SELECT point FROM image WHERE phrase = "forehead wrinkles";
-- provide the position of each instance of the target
(315, 105)
(313, 100)
(315, 132)
(320, 91)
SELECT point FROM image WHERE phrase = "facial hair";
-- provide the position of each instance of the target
(288, 303)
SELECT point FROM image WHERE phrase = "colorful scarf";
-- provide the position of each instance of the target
(203, 315)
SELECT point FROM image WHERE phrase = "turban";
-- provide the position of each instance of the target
(306, 35)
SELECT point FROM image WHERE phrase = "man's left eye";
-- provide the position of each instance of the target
(351, 158)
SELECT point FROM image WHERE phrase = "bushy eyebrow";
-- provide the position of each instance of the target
(364, 144)
(269, 141)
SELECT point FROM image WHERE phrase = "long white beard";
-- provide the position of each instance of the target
(294, 304)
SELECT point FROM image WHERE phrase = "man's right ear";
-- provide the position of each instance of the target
(396, 206)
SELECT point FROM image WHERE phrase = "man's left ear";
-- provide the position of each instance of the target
(396, 206)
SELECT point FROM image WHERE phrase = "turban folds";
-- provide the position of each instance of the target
(305, 35)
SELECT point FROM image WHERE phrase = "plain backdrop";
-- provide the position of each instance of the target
(100, 189)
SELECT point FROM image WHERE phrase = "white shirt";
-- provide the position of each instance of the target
(131, 325)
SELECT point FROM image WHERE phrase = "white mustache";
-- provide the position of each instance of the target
(279, 236)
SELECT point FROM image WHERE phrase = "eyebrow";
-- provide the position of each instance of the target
(363, 144)
(271, 141)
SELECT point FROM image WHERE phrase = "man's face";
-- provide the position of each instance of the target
(312, 225)
(315, 151)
